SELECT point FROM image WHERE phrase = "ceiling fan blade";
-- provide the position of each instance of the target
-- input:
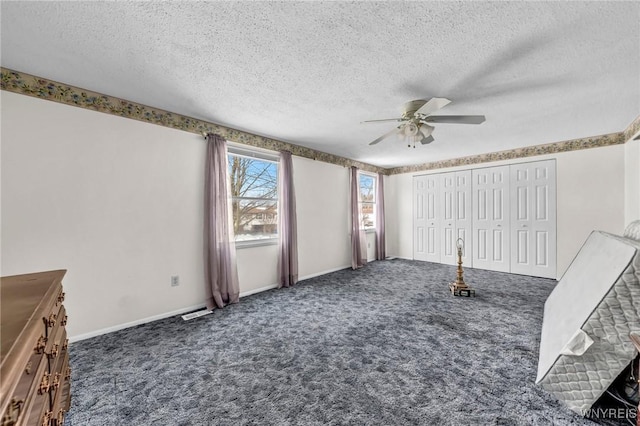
(456, 119)
(427, 140)
(383, 120)
(396, 130)
(432, 106)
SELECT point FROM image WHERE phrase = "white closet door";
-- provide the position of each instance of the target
(533, 219)
(419, 218)
(455, 208)
(426, 218)
(491, 218)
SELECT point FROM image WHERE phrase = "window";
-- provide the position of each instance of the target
(367, 184)
(253, 181)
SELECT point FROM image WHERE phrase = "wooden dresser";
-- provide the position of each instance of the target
(34, 363)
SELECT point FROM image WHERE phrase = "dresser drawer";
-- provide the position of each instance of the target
(58, 365)
(60, 395)
(30, 396)
(52, 315)
(56, 339)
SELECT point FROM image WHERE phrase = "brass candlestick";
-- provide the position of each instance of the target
(459, 287)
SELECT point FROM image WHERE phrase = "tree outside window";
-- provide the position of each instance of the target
(367, 184)
(254, 202)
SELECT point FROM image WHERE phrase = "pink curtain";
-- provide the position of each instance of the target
(221, 273)
(381, 252)
(288, 241)
(358, 248)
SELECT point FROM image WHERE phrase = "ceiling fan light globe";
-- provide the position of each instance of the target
(426, 130)
(410, 129)
(426, 140)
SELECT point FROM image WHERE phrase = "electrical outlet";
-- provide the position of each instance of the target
(175, 280)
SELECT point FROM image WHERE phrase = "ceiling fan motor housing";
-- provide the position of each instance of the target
(411, 107)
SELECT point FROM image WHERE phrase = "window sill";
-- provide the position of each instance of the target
(256, 243)
(370, 230)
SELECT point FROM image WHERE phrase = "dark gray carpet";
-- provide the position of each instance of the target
(384, 345)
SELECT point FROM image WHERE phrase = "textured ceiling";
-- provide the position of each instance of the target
(309, 72)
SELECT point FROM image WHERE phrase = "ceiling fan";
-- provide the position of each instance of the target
(417, 118)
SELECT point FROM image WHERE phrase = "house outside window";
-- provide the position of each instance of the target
(367, 202)
(253, 182)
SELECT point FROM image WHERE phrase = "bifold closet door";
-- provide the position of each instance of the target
(426, 218)
(491, 218)
(455, 208)
(533, 219)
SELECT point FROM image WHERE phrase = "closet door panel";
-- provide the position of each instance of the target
(419, 218)
(449, 213)
(456, 216)
(490, 221)
(534, 219)
(481, 219)
(427, 218)
(433, 218)
(500, 223)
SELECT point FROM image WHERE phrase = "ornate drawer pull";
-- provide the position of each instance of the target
(54, 351)
(44, 384)
(61, 297)
(56, 382)
(28, 368)
(46, 418)
(64, 321)
(12, 414)
(51, 321)
(40, 345)
(65, 345)
(67, 374)
(60, 417)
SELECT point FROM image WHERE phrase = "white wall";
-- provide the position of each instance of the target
(398, 210)
(119, 203)
(257, 269)
(590, 192)
(322, 204)
(116, 202)
(632, 181)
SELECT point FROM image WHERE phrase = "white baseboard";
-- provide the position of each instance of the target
(258, 290)
(134, 323)
(183, 310)
(306, 277)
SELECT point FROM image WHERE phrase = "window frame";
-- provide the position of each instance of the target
(267, 157)
(373, 203)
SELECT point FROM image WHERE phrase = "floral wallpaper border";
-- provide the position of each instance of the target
(529, 151)
(632, 130)
(26, 84)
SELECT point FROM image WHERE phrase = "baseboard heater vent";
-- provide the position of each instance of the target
(196, 314)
